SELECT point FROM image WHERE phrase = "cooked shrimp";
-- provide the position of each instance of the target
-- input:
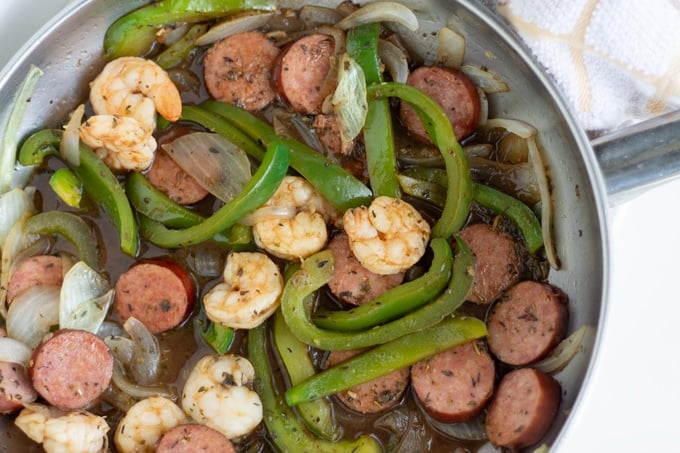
(145, 423)
(249, 294)
(120, 141)
(71, 432)
(387, 237)
(218, 394)
(304, 234)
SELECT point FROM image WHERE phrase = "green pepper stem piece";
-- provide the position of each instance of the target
(71, 227)
(315, 272)
(438, 126)
(178, 51)
(294, 354)
(259, 189)
(386, 358)
(285, 430)
(397, 301)
(67, 186)
(340, 188)
(134, 33)
(99, 183)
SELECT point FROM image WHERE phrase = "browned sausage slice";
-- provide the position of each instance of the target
(238, 70)
(16, 388)
(453, 91)
(353, 283)
(497, 261)
(71, 369)
(304, 73)
(455, 385)
(44, 270)
(159, 293)
(172, 180)
(522, 409)
(192, 438)
(328, 130)
(527, 322)
(373, 396)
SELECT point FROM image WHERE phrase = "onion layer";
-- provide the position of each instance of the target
(380, 12)
(33, 314)
(86, 297)
(232, 26)
(14, 351)
(350, 104)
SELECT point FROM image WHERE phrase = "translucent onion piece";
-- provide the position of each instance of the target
(69, 147)
(234, 25)
(488, 81)
(380, 12)
(121, 348)
(470, 430)
(22, 175)
(350, 104)
(517, 127)
(14, 351)
(86, 297)
(14, 204)
(451, 49)
(394, 60)
(313, 16)
(110, 329)
(218, 165)
(268, 213)
(483, 107)
(33, 314)
(146, 352)
(566, 350)
(171, 34)
(139, 391)
(8, 149)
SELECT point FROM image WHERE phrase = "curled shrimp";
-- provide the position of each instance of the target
(218, 393)
(145, 423)
(70, 432)
(387, 237)
(301, 235)
(249, 294)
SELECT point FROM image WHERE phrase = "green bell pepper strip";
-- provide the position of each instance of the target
(397, 301)
(315, 272)
(72, 228)
(219, 337)
(258, 190)
(294, 354)
(438, 126)
(135, 33)
(99, 183)
(339, 187)
(381, 160)
(286, 432)
(67, 186)
(178, 51)
(386, 358)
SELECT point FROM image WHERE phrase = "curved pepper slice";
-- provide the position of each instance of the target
(396, 301)
(316, 271)
(259, 189)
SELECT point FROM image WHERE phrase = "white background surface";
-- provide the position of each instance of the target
(634, 390)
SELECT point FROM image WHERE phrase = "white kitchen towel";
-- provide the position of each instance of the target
(616, 61)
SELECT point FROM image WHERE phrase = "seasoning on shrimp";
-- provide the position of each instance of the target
(250, 293)
(218, 393)
(145, 423)
(387, 237)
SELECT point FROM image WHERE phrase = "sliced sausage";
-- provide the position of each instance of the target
(304, 73)
(193, 437)
(172, 180)
(328, 130)
(523, 408)
(159, 293)
(353, 283)
(372, 396)
(527, 322)
(16, 388)
(455, 385)
(71, 369)
(238, 70)
(497, 261)
(453, 91)
(44, 270)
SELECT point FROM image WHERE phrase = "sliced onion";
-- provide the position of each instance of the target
(483, 107)
(350, 104)
(566, 350)
(139, 391)
(86, 297)
(470, 430)
(268, 213)
(110, 329)
(219, 166)
(313, 16)
(33, 314)
(14, 205)
(170, 34)
(517, 127)
(487, 80)
(14, 351)
(394, 59)
(478, 150)
(234, 25)
(380, 12)
(146, 353)
(121, 348)
(69, 147)
(451, 49)
(22, 175)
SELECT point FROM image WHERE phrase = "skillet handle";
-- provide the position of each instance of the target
(640, 156)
